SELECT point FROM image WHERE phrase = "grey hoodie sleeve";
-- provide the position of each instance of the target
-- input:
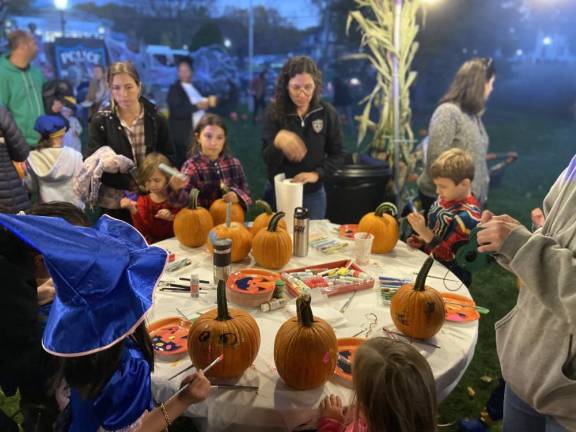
(443, 128)
(16, 144)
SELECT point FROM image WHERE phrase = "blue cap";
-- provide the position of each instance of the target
(104, 277)
(50, 124)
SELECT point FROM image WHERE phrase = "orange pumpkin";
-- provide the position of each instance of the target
(219, 206)
(305, 349)
(235, 231)
(383, 225)
(272, 247)
(418, 310)
(263, 219)
(192, 224)
(231, 332)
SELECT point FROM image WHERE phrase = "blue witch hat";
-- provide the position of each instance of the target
(104, 277)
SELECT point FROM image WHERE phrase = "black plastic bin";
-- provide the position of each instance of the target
(356, 188)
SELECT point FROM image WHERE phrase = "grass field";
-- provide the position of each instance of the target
(545, 147)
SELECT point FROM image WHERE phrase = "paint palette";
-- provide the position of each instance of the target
(459, 308)
(346, 350)
(347, 231)
(169, 336)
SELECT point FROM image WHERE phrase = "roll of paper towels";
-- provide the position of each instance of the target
(288, 196)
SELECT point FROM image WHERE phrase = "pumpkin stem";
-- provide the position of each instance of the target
(223, 314)
(264, 206)
(420, 284)
(228, 213)
(193, 202)
(386, 207)
(304, 311)
(273, 225)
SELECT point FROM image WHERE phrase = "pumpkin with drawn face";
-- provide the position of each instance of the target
(231, 332)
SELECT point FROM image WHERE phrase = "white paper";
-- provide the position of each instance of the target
(288, 196)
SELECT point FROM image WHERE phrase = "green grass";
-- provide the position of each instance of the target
(545, 147)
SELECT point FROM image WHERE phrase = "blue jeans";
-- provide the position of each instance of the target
(519, 416)
(315, 202)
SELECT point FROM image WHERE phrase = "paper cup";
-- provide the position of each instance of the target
(362, 247)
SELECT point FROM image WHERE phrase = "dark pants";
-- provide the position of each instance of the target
(315, 202)
(258, 103)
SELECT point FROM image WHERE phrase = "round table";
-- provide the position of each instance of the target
(274, 405)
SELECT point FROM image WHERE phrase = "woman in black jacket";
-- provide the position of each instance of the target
(132, 127)
(13, 147)
(184, 103)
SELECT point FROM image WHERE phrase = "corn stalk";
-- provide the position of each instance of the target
(375, 19)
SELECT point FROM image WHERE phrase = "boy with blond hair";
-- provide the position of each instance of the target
(452, 216)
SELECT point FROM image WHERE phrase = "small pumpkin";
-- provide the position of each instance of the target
(272, 247)
(305, 349)
(263, 219)
(218, 209)
(418, 310)
(192, 224)
(231, 332)
(383, 225)
(235, 231)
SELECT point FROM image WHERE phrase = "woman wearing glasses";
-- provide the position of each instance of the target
(301, 136)
(457, 122)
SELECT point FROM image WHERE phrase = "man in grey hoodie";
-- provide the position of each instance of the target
(536, 341)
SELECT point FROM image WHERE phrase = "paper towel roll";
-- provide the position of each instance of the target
(288, 196)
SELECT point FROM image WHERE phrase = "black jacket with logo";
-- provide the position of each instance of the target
(320, 131)
(106, 130)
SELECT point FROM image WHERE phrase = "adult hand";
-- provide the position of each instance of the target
(177, 183)
(164, 214)
(204, 104)
(127, 203)
(494, 232)
(198, 388)
(331, 407)
(230, 197)
(306, 177)
(417, 222)
(291, 145)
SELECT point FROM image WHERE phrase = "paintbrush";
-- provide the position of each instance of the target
(206, 369)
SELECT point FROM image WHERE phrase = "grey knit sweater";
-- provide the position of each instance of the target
(452, 128)
(13, 147)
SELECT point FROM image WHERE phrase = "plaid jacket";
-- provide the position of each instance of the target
(207, 175)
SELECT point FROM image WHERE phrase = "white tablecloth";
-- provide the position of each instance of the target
(274, 405)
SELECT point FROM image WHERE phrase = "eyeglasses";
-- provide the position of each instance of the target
(297, 89)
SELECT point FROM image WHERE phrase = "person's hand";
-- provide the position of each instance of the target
(417, 222)
(164, 214)
(494, 232)
(230, 197)
(127, 203)
(291, 145)
(46, 292)
(537, 217)
(414, 242)
(177, 183)
(198, 388)
(331, 407)
(204, 104)
(306, 177)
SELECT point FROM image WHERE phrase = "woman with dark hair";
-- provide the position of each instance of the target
(457, 123)
(186, 106)
(301, 135)
(132, 127)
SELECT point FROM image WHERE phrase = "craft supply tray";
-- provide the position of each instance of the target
(333, 290)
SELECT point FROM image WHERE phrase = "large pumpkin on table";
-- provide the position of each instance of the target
(263, 219)
(192, 224)
(235, 231)
(418, 310)
(218, 209)
(272, 247)
(305, 349)
(383, 225)
(231, 332)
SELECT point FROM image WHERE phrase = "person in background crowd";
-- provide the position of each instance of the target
(98, 91)
(13, 147)
(301, 136)
(457, 122)
(21, 84)
(258, 91)
(72, 136)
(186, 106)
(132, 127)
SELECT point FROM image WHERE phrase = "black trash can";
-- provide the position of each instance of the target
(355, 189)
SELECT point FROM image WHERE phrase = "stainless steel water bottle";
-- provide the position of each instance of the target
(301, 222)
